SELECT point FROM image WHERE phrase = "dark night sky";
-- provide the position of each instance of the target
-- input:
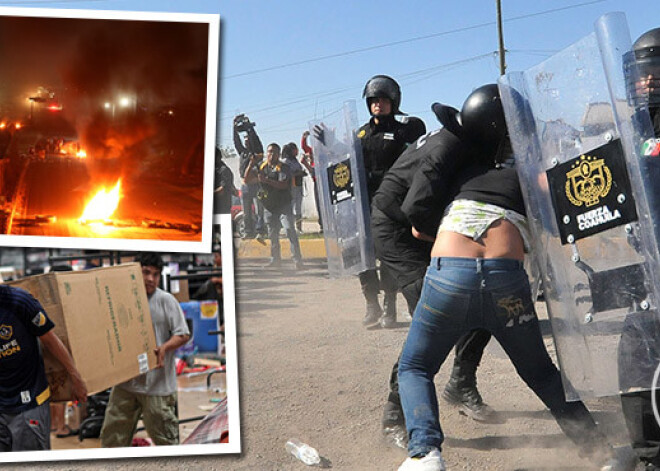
(94, 60)
(88, 62)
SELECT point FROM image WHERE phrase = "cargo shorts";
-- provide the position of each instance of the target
(125, 408)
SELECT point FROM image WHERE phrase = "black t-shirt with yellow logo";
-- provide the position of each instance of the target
(275, 199)
(23, 383)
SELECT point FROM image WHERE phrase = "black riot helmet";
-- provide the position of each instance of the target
(642, 68)
(383, 86)
(483, 123)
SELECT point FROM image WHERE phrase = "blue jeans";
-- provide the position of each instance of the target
(253, 212)
(461, 294)
(296, 202)
(275, 219)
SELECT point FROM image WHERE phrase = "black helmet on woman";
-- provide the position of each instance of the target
(383, 86)
(483, 123)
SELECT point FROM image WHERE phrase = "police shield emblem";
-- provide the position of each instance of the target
(591, 193)
(340, 181)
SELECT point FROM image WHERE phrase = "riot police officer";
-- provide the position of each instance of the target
(645, 83)
(383, 139)
(635, 358)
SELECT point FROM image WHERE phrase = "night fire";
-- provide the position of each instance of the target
(102, 205)
(115, 106)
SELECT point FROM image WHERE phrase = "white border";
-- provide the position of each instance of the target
(231, 330)
(233, 409)
(203, 246)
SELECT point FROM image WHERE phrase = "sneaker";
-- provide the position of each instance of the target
(469, 401)
(432, 461)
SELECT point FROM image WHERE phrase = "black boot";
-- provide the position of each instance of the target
(394, 425)
(461, 389)
(369, 285)
(388, 319)
(374, 312)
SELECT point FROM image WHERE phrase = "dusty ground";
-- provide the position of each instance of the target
(310, 370)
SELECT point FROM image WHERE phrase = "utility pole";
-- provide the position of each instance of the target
(500, 35)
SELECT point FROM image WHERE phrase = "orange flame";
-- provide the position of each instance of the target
(102, 205)
(72, 148)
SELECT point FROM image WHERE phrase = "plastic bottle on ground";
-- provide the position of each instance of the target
(303, 452)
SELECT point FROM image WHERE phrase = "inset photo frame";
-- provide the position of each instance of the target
(112, 319)
(108, 129)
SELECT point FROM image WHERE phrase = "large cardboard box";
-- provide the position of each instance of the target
(102, 316)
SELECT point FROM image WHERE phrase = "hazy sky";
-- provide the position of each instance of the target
(285, 63)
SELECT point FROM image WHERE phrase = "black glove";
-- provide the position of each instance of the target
(318, 131)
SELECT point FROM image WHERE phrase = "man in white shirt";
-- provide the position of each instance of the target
(151, 395)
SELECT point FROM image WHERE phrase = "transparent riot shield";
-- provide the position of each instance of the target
(593, 203)
(342, 193)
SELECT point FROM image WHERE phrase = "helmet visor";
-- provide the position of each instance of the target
(643, 79)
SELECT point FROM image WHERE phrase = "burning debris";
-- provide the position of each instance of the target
(101, 207)
(35, 221)
(157, 224)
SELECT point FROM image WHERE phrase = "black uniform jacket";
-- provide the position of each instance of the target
(383, 143)
(438, 155)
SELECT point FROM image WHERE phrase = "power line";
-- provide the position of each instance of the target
(416, 76)
(407, 79)
(405, 41)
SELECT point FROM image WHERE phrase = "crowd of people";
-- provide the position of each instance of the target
(271, 190)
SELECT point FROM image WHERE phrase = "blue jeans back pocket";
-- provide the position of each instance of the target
(442, 306)
(513, 305)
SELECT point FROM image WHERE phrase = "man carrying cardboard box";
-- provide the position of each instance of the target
(24, 391)
(153, 394)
